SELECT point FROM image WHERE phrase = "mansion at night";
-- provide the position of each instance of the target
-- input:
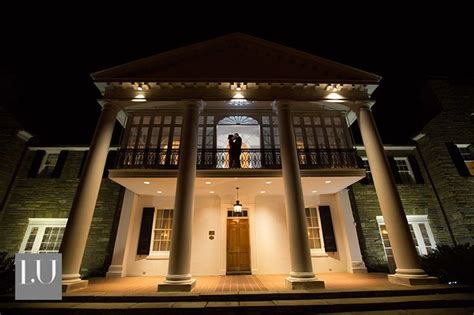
(303, 199)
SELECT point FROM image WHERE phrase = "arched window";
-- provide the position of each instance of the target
(238, 120)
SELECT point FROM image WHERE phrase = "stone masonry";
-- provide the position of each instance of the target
(52, 198)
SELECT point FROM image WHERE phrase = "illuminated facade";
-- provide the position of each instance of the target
(173, 189)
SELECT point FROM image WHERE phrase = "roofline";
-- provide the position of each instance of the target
(376, 78)
(204, 80)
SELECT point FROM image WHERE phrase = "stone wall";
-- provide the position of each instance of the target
(417, 199)
(52, 198)
(453, 124)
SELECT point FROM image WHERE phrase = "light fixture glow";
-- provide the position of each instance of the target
(159, 192)
(146, 183)
(238, 88)
(237, 204)
(139, 88)
(327, 182)
(384, 232)
(238, 95)
(314, 191)
(262, 191)
(268, 183)
(334, 96)
(212, 191)
(139, 98)
(208, 183)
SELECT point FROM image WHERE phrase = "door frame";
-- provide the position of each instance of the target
(227, 218)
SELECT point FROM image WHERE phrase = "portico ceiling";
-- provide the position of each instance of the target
(249, 188)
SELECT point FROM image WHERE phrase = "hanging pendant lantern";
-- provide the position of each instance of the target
(237, 205)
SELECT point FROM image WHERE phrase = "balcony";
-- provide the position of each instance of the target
(249, 159)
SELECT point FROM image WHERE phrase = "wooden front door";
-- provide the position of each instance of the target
(238, 246)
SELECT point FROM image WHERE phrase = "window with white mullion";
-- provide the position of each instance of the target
(404, 169)
(313, 222)
(161, 236)
(43, 235)
(421, 234)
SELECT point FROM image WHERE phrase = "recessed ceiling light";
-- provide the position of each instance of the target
(212, 191)
(208, 183)
(262, 191)
(327, 182)
(159, 192)
(146, 183)
(314, 191)
(268, 182)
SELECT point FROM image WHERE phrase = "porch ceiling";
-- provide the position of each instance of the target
(249, 188)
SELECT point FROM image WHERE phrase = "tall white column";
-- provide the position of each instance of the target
(82, 210)
(179, 276)
(301, 275)
(118, 265)
(408, 271)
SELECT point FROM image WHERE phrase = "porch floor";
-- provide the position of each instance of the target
(147, 285)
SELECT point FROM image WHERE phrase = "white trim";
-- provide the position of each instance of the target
(389, 148)
(415, 221)
(418, 136)
(41, 224)
(463, 145)
(24, 135)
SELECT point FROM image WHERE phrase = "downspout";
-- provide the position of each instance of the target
(453, 239)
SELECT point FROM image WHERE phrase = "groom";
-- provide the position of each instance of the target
(237, 149)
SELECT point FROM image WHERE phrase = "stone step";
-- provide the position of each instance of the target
(453, 303)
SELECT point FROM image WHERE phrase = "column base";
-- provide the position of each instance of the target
(412, 280)
(304, 283)
(115, 271)
(74, 285)
(177, 286)
(358, 267)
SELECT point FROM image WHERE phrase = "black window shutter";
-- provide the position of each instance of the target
(35, 165)
(328, 230)
(457, 159)
(83, 162)
(59, 164)
(144, 240)
(393, 166)
(416, 169)
(109, 163)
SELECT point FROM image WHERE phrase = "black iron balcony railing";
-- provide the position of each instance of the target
(249, 158)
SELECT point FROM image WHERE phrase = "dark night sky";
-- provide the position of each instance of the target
(46, 73)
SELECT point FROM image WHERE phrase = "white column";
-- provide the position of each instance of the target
(355, 264)
(301, 275)
(82, 210)
(408, 271)
(118, 265)
(179, 276)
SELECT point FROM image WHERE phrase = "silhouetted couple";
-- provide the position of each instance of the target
(235, 148)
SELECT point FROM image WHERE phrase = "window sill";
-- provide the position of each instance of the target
(158, 256)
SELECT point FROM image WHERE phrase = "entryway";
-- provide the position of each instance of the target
(238, 247)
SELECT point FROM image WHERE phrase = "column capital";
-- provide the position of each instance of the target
(356, 106)
(192, 103)
(107, 104)
(281, 104)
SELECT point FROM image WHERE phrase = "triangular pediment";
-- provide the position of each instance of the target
(235, 57)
